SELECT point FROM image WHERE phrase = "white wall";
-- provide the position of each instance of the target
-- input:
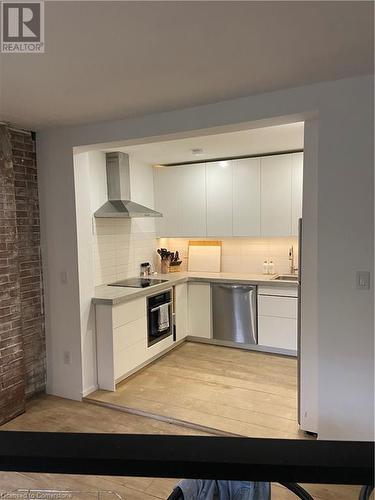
(345, 232)
(345, 245)
(113, 248)
(309, 348)
(84, 202)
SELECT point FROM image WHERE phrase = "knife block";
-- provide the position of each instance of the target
(175, 267)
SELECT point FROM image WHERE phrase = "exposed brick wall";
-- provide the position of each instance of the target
(12, 385)
(22, 344)
(29, 261)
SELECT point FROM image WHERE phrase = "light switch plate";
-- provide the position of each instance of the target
(63, 277)
(363, 280)
(67, 356)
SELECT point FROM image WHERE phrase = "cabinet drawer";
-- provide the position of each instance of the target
(282, 307)
(277, 332)
(129, 334)
(283, 291)
(129, 358)
(128, 312)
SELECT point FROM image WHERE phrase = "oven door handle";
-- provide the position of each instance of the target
(161, 305)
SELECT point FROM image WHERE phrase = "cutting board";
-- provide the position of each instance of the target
(204, 256)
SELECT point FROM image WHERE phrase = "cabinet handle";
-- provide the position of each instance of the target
(161, 305)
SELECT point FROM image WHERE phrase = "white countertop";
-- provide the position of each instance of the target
(112, 295)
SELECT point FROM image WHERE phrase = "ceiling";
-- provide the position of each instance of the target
(246, 142)
(106, 60)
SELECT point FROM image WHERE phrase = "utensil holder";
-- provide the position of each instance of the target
(164, 266)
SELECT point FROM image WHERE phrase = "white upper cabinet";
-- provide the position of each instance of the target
(193, 199)
(297, 183)
(246, 197)
(219, 185)
(276, 195)
(166, 183)
(180, 195)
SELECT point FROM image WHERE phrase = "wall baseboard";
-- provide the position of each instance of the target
(89, 390)
(235, 345)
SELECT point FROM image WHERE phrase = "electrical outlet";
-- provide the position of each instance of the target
(67, 358)
(63, 277)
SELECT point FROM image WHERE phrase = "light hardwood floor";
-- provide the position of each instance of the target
(47, 413)
(230, 390)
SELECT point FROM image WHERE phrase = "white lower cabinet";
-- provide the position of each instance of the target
(122, 347)
(129, 344)
(181, 310)
(277, 319)
(277, 332)
(199, 310)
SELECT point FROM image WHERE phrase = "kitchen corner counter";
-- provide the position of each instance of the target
(112, 295)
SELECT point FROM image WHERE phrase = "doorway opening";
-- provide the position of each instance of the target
(227, 251)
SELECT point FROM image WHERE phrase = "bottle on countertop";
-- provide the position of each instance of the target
(271, 267)
(265, 267)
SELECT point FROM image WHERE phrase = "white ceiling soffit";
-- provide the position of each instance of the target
(106, 60)
(232, 144)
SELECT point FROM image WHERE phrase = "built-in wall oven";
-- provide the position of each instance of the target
(160, 317)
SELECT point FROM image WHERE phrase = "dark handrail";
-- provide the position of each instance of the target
(196, 457)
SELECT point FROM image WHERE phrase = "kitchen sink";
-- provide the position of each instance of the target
(286, 277)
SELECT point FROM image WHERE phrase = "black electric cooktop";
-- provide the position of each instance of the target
(138, 282)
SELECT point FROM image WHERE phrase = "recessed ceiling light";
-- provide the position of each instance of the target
(197, 151)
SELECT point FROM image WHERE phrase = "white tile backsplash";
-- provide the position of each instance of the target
(243, 254)
(119, 246)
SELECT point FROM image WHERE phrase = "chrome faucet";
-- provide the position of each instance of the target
(291, 258)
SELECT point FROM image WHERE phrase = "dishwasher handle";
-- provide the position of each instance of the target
(238, 287)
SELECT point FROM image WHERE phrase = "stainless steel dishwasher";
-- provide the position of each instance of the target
(234, 313)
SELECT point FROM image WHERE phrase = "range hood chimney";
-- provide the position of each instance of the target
(119, 202)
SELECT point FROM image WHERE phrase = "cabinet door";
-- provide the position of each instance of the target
(277, 321)
(180, 195)
(167, 186)
(297, 183)
(130, 343)
(192, 199)
(276, 195)
(280, 333)
(281, 307)
(246, 197)
(181, 311)
(219, 181)
(199, 309)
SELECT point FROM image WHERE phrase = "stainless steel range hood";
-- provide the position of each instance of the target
(119, 202)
